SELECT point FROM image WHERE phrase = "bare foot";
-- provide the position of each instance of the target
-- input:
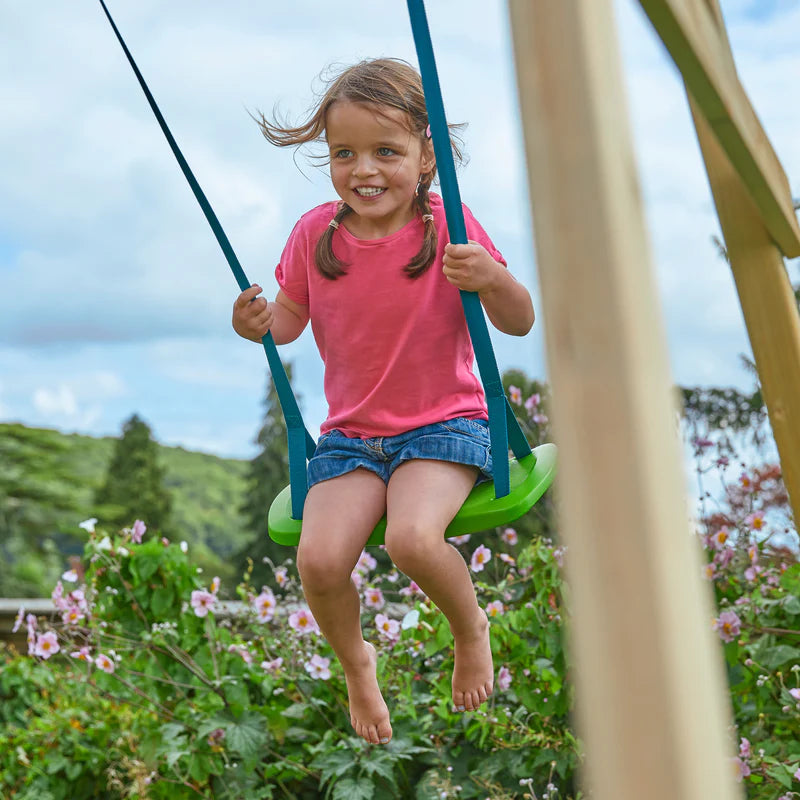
(369, 715)
(473, 674)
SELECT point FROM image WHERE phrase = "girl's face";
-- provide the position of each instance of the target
(376, 163)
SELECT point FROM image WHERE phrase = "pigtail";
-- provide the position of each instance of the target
(422, 261)
(327, 263)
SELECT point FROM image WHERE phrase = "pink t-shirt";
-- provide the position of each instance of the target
(397, 352)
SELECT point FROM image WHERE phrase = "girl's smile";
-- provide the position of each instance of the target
(376, 162)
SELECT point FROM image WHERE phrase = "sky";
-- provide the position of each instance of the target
(114, 296)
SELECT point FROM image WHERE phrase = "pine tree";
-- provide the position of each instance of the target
(134, 484)
(267, 475)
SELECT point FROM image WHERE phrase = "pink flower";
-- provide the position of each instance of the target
(532, 403)
(318, 667)
(18, 620)
(303, 621)
(137, 531)
(366, 563)
(481, 556)
(203, 602)
(242, 650)
(265, 605)
(357, 578)
(84, 654)
(272, 666)
(796, 775)
(755, 520)
(795, 693)
(459, 540)
(744, 748)
(515, 394)
(719, 538)
(744, 481)
(390, 628)
(503, 679)
(728, 625)
(57, 596)
(373, 597)
(495, 608)
(507, 559)
(509, 536)
(710, 570)
(702, 443)
(104, 663)
(412, 589)
(72, 615)
(215, 584)
(70, 576)
(281, 578)
(46, 645)
(742, 770)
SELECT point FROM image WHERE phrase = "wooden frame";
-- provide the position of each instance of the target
(652, 701)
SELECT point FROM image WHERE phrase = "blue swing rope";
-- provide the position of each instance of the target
(301, 444)
(503, 425)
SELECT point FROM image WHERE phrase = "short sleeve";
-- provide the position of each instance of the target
(292, 270)
(476, 233)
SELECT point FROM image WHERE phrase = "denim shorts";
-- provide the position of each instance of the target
(459, 440)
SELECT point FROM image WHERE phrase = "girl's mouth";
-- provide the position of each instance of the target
(369, 191)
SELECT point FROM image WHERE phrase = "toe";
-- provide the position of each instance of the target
(384, 732)
(459, 700)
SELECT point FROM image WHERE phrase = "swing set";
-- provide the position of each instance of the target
(519, 481)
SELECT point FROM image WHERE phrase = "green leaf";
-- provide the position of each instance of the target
(776, 656)
(353, 789)
(296, 711)
(247, 735)
(333, 764)
(781, 774)
(146, 564)
(161, 600)
(792, 604)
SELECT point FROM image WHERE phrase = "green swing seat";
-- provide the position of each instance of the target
(529, 477)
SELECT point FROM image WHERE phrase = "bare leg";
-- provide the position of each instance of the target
(423, 497)
(338, 517)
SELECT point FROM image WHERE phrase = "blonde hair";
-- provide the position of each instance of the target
(380, 82)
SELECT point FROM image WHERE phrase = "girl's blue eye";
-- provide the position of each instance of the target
(385, 151)
(342, 154)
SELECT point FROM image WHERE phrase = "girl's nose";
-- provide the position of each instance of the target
(364, 166)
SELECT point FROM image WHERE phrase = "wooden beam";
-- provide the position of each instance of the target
(694, 36)
(765, 293)
(652, 706)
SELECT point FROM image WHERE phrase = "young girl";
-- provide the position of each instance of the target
(406, 433)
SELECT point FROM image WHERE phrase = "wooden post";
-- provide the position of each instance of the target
(765, 293)
(652, 705)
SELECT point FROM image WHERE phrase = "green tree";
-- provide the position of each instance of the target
(267, 474)
(37, 510)
(134, 483)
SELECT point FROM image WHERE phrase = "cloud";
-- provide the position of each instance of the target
(107, 266)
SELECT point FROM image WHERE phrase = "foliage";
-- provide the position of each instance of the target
(230, 707)
(37, 498)
(267, 474)
(48, 480)
(134, 482)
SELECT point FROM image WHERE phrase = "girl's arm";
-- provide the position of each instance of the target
(253, 316)
(507, 302)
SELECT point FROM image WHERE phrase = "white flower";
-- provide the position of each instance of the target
(88, 524)
(104, 543)
(184, 547)
(70, 576)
